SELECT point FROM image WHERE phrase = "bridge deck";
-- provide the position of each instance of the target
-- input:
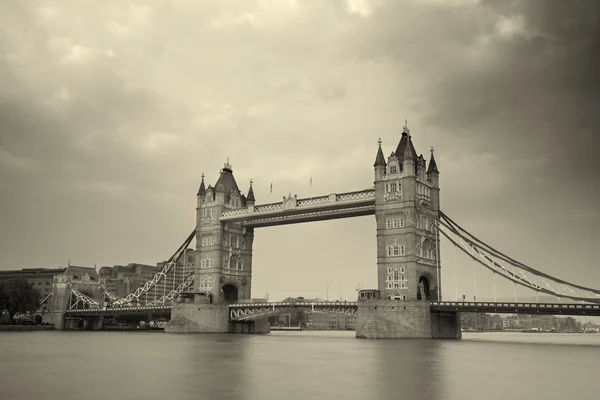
(246, 311)
(251, 311)
(518, 308)
(104, 312)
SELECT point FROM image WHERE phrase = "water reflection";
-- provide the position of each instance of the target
(213, 367)
(407, 369)
(286, 365)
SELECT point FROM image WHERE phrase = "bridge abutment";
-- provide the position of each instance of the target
(404, 319)
(198, 318)
(257, 326)
(211, 318)
(445, 325)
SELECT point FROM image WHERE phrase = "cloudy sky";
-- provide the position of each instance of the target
(110, 111)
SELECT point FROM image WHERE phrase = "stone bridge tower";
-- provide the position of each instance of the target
(223, 250)
(407, 247)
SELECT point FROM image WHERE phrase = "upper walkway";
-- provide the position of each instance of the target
(293, 210)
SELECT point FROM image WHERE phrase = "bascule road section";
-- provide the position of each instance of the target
(408, 302)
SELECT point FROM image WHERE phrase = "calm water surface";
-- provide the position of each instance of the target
(296, 365)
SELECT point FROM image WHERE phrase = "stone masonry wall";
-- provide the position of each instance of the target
(446, 325)
(393, 319)
(206, 318)
(260, 325)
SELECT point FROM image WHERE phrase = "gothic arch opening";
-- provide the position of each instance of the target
(230, 293)
(423, 289)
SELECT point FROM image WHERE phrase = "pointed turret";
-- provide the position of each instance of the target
(432, 169)
(433, 176)
(409, 157)
(202, 189)
(380, 163)
(405, 142)
(250, 197)
(225, 184)
(380, 159)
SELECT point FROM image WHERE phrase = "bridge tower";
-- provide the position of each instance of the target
(223, 250)
(407, 247)
(408, 272)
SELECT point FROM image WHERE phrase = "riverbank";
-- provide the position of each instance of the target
(26, 327)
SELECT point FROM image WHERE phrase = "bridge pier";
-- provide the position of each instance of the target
(56, 318)
(445, 325)
(198, 318)
(404, 319)
(210, 318)
(257, 326)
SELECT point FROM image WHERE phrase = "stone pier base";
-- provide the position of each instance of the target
(401, 319)
(258, 326)
(56, 318)
(197, 318)
(210, 318)
(445, 325)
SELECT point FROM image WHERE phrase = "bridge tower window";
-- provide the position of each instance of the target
(395, 278)
(396, 250)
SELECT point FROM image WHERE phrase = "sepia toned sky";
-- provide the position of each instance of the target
(110, 111)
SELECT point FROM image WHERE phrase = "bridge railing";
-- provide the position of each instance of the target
(358, 195)
(557, 306)
(262, 208)
(296, 304)
(311, 201)
(119, 309)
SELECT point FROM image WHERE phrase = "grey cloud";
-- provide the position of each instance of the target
(119, 139)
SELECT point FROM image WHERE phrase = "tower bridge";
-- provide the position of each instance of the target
(408, 301)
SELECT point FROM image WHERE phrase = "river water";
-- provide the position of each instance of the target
(296, 365)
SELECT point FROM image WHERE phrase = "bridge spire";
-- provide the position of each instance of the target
(227, 166)
(250, 196)
(201, 189)
(380, 159)
(405, 148)
(432, 169)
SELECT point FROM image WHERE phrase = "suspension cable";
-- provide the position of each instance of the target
(474, 282)
(494, 283)
(455, 274)
(135, 296)
(478, 243)
(508, 275)
(554, 285)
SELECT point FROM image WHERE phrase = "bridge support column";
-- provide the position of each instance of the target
(56, 318)
(404, 319)
(257, 326)
(445, 325)
(198, 318)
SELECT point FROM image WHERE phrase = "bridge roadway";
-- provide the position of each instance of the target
(114, 311)
(250, 311)
(518, 308)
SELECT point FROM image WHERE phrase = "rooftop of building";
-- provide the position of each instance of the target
(302, 299)
(32, 271)
(406, 151)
